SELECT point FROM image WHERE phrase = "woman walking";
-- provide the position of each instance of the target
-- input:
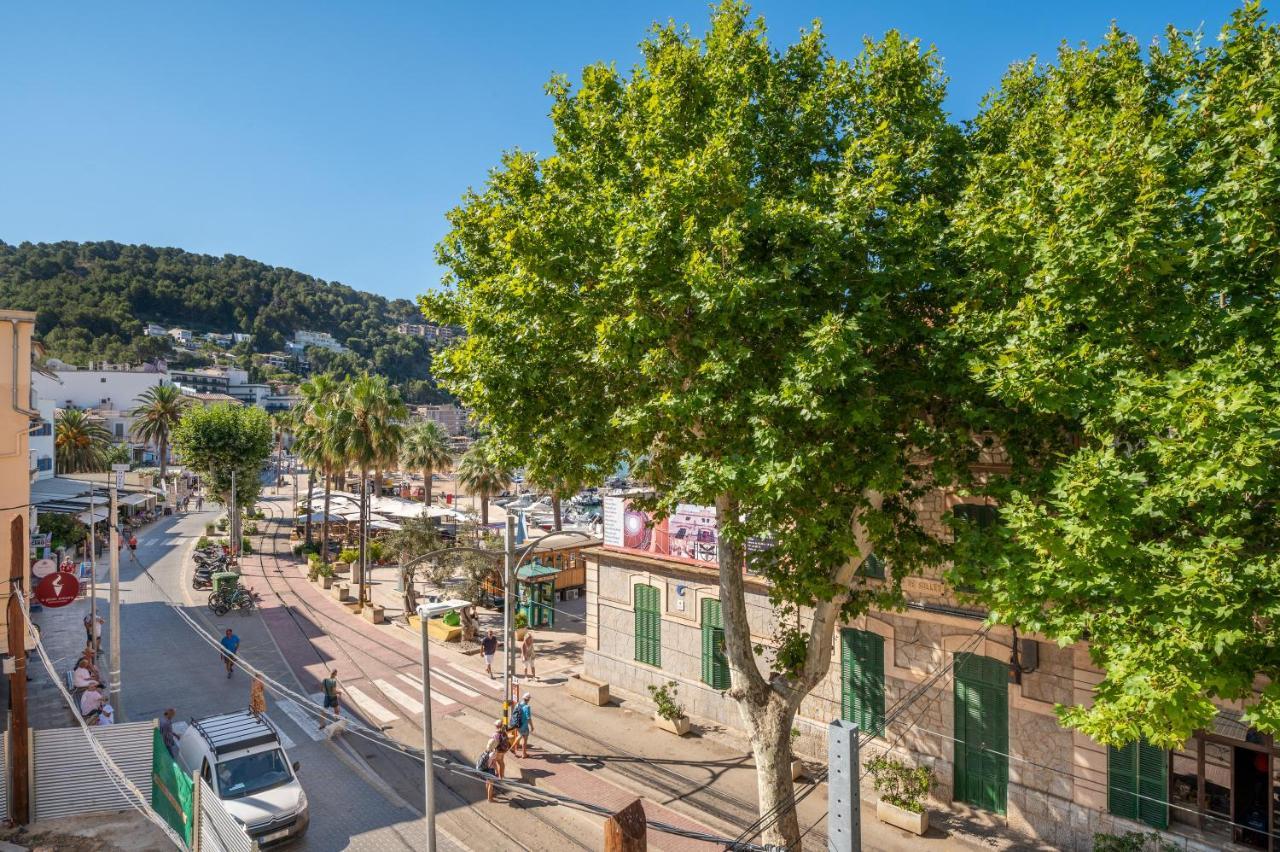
(526, 655)
(497, 748)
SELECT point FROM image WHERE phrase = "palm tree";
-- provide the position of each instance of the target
(426, 448)
(160, 410)
(483, 473)
(313, 444)
(367, 422)
(80, 442)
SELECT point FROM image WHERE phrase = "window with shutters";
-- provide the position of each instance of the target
(715, 665)
(862, 680)
(973, 516)
(1138, 783)
(648, 626)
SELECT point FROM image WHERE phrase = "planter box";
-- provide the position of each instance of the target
(797, 770)
(341, 591)
(441, 632)
(679, 727)
(520, 632)
(326, 582)
(373, 613)
(342, 567)
(589, 690)
(916, 823)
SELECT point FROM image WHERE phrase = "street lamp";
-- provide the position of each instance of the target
(425, 612)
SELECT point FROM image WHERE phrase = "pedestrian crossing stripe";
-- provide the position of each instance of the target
(305, 722)
(435, 695)
(380, 714)
(483, 678)
(408, 702)
(465, 690)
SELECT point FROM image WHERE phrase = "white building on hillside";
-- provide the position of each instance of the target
(451, 418)
(322, 339)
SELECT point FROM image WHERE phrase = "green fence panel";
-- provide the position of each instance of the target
(172, 790)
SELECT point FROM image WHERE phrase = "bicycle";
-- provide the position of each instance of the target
(239, 598)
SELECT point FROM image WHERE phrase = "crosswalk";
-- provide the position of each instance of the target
(389, 699)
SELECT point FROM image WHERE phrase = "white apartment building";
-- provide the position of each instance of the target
(451, 418)
(155, 330)
(185, 336)
(40, 440)
(323, 339)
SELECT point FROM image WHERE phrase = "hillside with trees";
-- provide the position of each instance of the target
(93, 301)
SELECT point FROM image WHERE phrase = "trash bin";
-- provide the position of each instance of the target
(168, 510)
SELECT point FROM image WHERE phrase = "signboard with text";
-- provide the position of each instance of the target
(689, 534)
(57, 589)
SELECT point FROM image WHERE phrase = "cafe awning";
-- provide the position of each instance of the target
(135, 499)
(98, 515)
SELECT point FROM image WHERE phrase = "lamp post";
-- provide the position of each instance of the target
(117, 476)
(428, 753)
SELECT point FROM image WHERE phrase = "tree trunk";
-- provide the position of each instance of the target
(409, 595)
(324, 522)
(164, 457)
(377, 483)
(310, 488)
(468, 617)
(484, 511)
(555, 511)
(426, 486)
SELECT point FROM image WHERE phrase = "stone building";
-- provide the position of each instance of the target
(934, 687)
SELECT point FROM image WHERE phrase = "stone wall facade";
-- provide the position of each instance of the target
(1057, 779)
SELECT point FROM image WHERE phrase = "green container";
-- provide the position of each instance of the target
(225, 581)
(452, 618)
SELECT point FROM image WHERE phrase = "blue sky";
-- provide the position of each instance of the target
(333, 137)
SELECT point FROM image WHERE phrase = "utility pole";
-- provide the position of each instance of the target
(844, 806)
(364, 534)
(93, 577)
(428, 752)
(508, 610)
(117, 477)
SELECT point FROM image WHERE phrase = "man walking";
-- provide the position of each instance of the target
(489, 647)
(330, 687)
(230, 644)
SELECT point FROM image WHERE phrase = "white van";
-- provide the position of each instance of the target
(239, 755)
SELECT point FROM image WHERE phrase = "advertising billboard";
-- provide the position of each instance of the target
(689, 534)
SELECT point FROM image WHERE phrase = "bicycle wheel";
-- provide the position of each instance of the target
(220, 608)
(245, 605)
(216, 598)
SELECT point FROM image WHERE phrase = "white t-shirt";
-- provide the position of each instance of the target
(90, 701)
(107, 716)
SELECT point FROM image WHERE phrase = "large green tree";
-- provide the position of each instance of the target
(732, 272)
(159, 410)
(1121, 223)
(220, 440)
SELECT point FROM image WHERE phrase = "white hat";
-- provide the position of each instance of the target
(527, 696)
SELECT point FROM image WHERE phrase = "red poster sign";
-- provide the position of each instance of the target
(58, 589)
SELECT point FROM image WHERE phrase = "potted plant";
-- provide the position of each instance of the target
(797, 765)
(902, 790)
(669, 715)
(325, 571)
(522, 625)
(347, 557)
(210, 529)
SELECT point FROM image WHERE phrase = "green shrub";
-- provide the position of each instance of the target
(313, 571)
(899, 784)
(245, 546)
(324, 569)
(1132, 841)
(210, 529)
(222, 523)
(297, 550)
(349, 555)
(522, 621)
(668, 702)
(202, 542)
(377, 550)
(251, 529)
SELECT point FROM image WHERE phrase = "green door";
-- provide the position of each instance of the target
(982, 731)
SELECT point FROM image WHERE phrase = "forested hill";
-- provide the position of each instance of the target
(93, 301)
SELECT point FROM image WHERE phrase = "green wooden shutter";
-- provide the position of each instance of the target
(648, 626)
(715, 665)
(982, 732)
(862, 680)
(1138, 783)
(872, 566)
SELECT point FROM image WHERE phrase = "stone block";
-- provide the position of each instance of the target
(589, 690)
(340, 591)
(374, 615)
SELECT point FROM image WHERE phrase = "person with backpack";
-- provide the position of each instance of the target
(495, 757)
(522, 723)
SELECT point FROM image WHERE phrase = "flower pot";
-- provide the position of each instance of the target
(520, 632)
(916, 823)
(679, 727)
(797, 770)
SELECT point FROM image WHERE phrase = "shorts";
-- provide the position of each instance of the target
(488, 660)
(226, 658)
(331, 702)
(524, 731)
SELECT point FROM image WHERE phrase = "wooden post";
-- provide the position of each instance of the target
(19, 741)
(626, 830)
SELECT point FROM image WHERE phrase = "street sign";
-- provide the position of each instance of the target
(121, 470)
(58, 589)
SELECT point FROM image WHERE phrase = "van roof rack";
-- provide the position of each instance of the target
(234, 731)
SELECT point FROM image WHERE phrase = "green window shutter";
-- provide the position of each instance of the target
(872, 566)
(715, 666)
(1153, 785)
(862, 680)
(648, 626)
(1138, 783)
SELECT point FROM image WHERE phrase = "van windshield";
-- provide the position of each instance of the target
(253, 773)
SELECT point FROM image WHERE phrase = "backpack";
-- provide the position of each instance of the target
(517, 716)
(482, 765)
